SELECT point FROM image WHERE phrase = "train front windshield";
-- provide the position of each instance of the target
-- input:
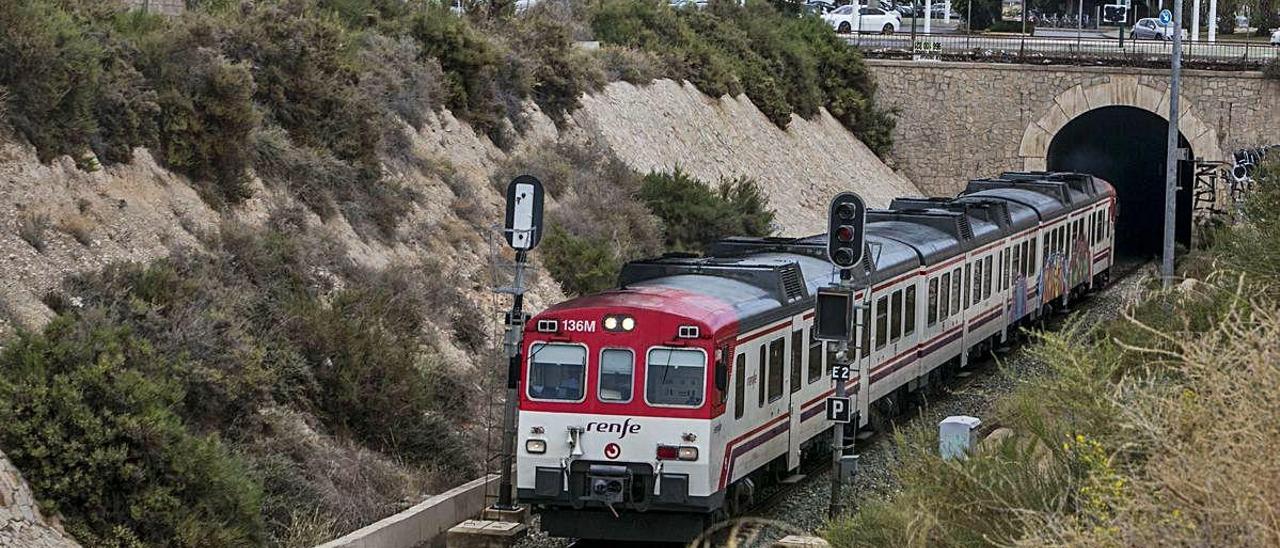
(675, 377)
(557, 372)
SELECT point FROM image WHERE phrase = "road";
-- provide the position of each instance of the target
(1064, 43)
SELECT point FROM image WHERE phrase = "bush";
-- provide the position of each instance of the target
(49, 67)
(559, 73)
(694, 215)
(207, 112)
(470, 64)
(92, 430)
(1272, 69)
(582, 265)
(629, 65)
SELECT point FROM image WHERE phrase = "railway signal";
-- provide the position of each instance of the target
(836, 321)
(522, 230)
(846, 230)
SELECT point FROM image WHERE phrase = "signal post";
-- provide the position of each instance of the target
(836, 321)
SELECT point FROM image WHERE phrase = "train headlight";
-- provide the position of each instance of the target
(535, 447)
(619, 323)
(688, 453)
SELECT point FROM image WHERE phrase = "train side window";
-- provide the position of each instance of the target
(964, 289)
(976, 294)
(932, 303)
(955, 291)
(882, 322)
(815, 356)
(1017, 264)
(986, 281)
(895, 328)
(740, 386)
(864, 340)
(909, 318)
(944, 298)
(557, 372)
(760, 375)
(617, 367)
(777, 367)
(1031, 263)
(797, 360)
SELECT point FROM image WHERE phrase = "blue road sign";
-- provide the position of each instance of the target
(1166, 17)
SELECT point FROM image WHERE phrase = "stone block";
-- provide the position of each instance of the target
(478, 533)
(799, 541)
(1035, 141)
(1073, 102)
(519, 515)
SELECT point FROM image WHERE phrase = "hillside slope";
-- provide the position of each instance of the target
(666, 125)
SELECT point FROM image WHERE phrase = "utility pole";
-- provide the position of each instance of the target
(1172, 154)
(1022, 44)
(522, 230)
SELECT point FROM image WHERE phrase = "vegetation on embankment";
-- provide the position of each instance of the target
(786, 64)
(182, 403)
(1155, 429)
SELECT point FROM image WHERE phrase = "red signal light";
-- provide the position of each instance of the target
(844, 233)
(668, 452)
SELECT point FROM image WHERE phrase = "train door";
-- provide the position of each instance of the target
(795, 382)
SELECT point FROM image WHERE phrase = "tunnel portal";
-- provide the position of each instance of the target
(1126, 146)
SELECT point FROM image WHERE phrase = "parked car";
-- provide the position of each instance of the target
(1275, 37)
(940, 11)
(820, 7)
(846, 18)
(678, 4)
(1151, 28)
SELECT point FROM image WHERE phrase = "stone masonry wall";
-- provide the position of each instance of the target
(958, 121)
(164, 7)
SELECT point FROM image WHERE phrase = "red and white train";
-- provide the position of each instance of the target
(648, 411)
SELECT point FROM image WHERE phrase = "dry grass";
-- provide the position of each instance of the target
(1209, 429)
(79, 227)
(32, 226)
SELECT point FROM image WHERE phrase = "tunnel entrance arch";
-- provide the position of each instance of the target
(1126, 146)
(1133, 101)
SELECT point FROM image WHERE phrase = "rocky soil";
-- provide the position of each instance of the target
(21, 524)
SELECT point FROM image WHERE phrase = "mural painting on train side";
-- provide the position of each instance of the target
(1019, 304)
(1053, 282)
(1078, 271)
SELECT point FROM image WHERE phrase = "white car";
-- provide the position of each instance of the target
(866, 19)
(1275, 37)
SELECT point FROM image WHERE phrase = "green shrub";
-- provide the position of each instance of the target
(206, 109)
(582, 265)
(694, 214)
(470, 64)
(304, 80)
(93, 430)
(629, 65)
(559, 73)
(49, 66)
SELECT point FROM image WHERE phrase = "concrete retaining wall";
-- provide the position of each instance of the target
(425, 521)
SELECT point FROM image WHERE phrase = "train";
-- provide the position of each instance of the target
(649, 411)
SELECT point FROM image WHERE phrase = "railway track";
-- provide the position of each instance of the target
(757, 528)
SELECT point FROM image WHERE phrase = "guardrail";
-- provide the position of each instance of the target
(1036, 49)
(423, 522)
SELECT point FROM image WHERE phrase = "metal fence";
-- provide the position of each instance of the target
(1076, 50)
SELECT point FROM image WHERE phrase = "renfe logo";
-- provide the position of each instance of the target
(621, 429)
(580, 326)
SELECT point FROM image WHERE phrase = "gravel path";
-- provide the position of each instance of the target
(805, 509)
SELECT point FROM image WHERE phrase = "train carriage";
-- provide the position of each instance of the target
(650, 410)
